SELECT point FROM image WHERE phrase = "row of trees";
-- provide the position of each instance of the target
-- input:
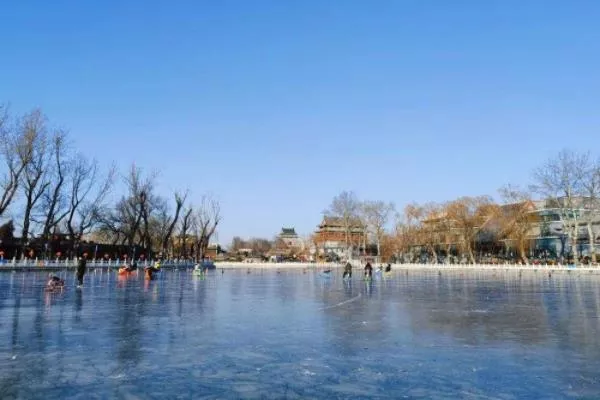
(240, 249)
(254, 246)
(51, 189)
(144, 219)
(567, 184)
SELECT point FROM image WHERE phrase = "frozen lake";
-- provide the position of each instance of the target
(471, 335)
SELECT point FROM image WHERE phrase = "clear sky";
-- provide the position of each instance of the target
(277, 106)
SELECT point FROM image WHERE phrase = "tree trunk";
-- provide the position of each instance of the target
(470, 254)
(347, 236)
(574, 242)
(167, 238)
(592, 241)
(25, 233)
(522, 252)
(147, 241)
(26, 224)
(183, 240)
(434, 255)
(348, 247)
(563, 245)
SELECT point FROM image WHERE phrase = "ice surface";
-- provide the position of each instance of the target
(472, 335)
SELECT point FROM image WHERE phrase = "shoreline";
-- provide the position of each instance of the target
(415, 267)
(33, 267)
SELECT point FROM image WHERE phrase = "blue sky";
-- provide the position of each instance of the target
(277, 106)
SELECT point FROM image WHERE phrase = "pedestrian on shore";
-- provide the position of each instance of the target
(81, 267)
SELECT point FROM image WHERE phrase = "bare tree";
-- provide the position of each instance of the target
(261, 245)
(447, 232)
(155, 220)
(125, 220)
(34, 148)
(378, 214)
(361, 218)
(559, 181)
(7, 231)
(468, 214)
(88, 191)
(236, 244)
(414, 215)
(516, 218)
(186, 222)
(434, 227)
(346, 207)
(590, 185)
(179, 201)
(159, 218)
(16, 156)
(427, 224)
(388, 247)
(407, 231)
(205, 222)
(398, 237)
(53, 205)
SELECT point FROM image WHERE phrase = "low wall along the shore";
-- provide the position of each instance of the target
(476, 267)
(32, 265)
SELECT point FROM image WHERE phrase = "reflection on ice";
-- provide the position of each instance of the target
(297, 334)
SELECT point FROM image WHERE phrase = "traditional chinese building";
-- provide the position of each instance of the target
(290, 237)
(330, 237)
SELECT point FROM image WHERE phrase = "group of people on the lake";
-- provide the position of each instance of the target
(368, 270)
(55, 283)
(150, 271)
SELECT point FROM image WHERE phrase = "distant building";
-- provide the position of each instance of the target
(290, 238)
(549, 232)
(213, 251)
(330, 237)
(247, 252)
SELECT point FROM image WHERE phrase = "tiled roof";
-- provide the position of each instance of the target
(288, 232)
